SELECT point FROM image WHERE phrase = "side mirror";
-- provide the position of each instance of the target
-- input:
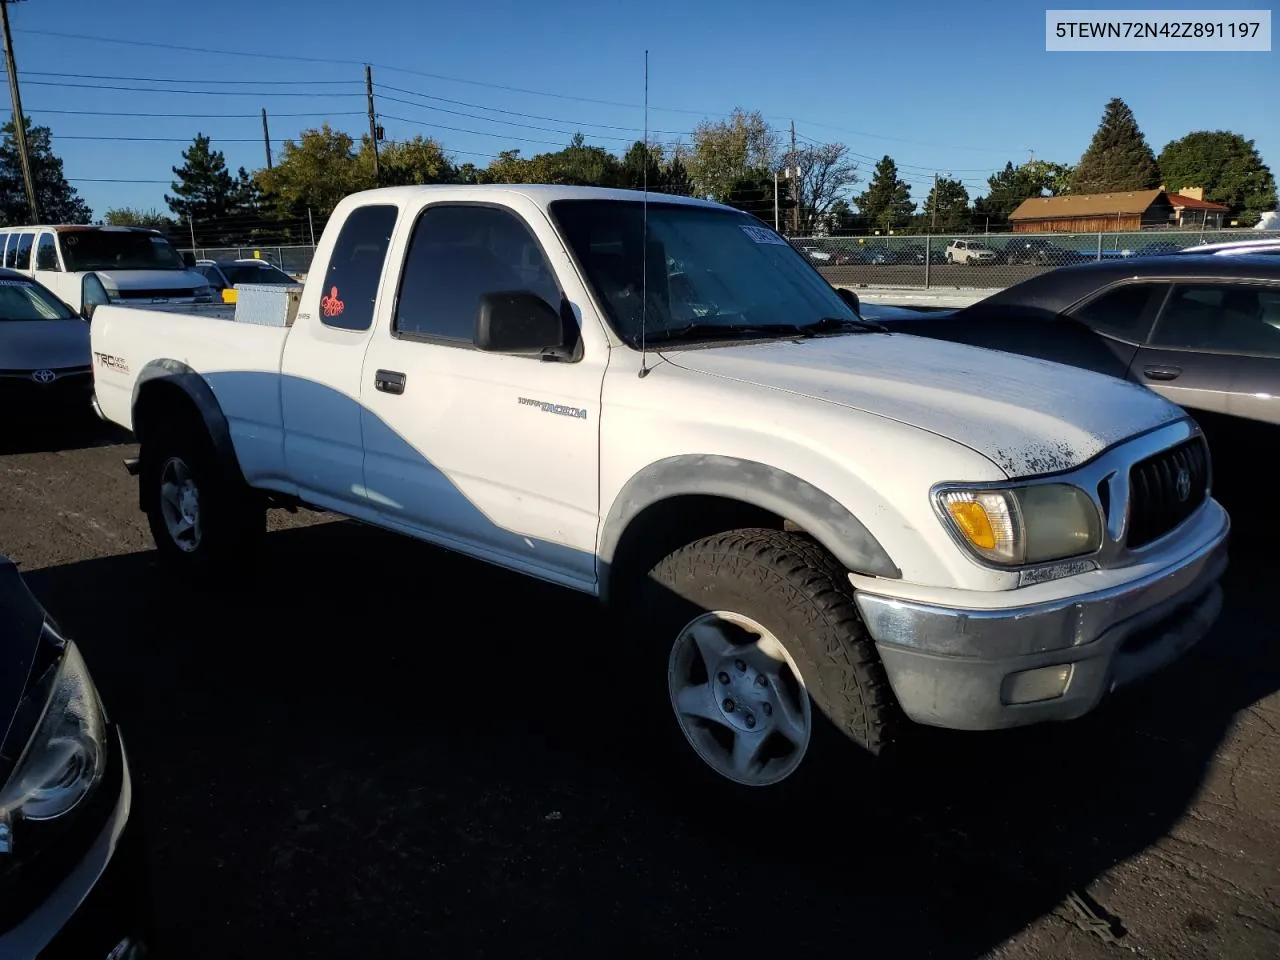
(188, 259)
(521, 324)
(851, 298)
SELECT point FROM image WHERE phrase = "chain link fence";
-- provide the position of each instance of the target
(965, 261)
(988, 261)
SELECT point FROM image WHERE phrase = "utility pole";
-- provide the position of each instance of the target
(373, 124)
(795, 184)
(19, 118)
(775, 199)
(934, 223)
(311, 225)
(192, 225)
(266, 137)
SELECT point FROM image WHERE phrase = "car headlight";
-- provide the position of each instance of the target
(204, 292)
(1018, 526)
(65, 757)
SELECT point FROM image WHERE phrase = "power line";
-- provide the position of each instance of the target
(509, 123)
(104, 76)
(205, 93)
(195, 116)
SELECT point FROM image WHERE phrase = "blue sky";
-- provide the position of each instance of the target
(939, 87)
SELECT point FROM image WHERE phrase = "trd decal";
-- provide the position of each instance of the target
(117, 364)
(331, 305)
(556, 408)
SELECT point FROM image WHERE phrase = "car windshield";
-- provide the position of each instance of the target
(24, 300)
(736, 276)
(238, 273)
(117, 250)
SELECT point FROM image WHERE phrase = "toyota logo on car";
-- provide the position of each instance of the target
(44, 376)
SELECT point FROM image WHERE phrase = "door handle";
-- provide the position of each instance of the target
(389, 381)
(1161, 373)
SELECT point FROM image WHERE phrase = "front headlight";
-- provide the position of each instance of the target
(203, 293)
(65, 757)
(1018, 526)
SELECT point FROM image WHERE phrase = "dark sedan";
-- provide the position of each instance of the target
(70, 873)
(44, 354)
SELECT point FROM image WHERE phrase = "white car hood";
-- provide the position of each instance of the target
(150, 279)
(43, 344)
(1028, 416)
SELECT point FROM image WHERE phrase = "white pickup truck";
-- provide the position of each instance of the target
(821, 526)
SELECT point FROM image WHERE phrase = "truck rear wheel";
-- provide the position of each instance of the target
(770, 671)
(199, 518)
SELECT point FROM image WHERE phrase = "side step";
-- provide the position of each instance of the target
(131, 464)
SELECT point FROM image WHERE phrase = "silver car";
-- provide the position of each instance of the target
(45, 371)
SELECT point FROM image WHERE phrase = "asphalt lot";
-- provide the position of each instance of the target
(378, 749)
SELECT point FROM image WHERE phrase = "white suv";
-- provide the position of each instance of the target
(969, 251)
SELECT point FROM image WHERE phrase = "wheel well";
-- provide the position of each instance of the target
(160, 405)
(664, 527)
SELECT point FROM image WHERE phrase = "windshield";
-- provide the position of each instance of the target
(716, 268)
(238, 273)
(23, 300)
(117, 250)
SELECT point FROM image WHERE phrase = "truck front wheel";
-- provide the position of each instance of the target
(770, 671)
(199, 518)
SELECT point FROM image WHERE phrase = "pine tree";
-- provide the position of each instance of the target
(1118, 158)
(206, 196)
(57, 200)
(887, 200)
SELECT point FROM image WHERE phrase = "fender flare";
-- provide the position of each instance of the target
(756, 484)
(198, 391)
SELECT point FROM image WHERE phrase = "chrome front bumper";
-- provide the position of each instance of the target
(952, 666)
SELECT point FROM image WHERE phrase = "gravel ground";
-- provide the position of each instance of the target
(383, 750)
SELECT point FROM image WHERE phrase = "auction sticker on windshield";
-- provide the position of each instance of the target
(762, 235)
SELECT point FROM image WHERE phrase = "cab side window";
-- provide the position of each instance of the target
(457, 254)
(355, 267)
(22, 261)
(46, 253)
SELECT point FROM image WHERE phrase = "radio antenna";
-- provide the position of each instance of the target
(644, 239)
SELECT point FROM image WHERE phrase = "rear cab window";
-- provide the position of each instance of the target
(22, 260)
(355, 267)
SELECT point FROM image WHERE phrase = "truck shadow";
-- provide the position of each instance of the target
(73, 432)
(383, 749)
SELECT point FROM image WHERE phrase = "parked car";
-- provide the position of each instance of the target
(71, 880)
(1157, 248)
(814, 529)
(89, 265)
(1040, 252)
(1203, 331)
(225, 275)
(969, 251)
(45, 371)
(817, 254)
(1231, 248)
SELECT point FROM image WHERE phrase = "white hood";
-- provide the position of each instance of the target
(150, 279)
(1028, 416)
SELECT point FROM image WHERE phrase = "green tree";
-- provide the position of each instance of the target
(1009, 187)
(57, 200)
(1227, 166)
(577, 164)
(675, 176)
(841, 218)
(205, 194)
(133, 217)
(642, 166)
(1118, 157)
(420, 160)
(886, 202)
(727, 152)
(946, 210)
(314, 173)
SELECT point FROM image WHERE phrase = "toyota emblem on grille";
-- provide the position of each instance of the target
(1183, 484)
(44, 376)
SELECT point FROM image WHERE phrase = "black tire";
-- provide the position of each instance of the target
(232, 516)
(791, 586)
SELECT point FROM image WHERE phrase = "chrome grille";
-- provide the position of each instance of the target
(1165, 489)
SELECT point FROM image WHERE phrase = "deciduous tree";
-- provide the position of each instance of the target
(1227, 166)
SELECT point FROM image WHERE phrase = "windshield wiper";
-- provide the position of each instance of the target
(842, 325)
(710, 331)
